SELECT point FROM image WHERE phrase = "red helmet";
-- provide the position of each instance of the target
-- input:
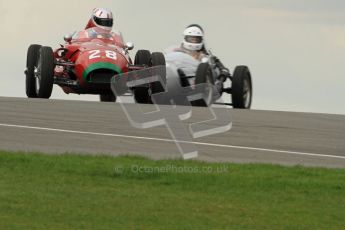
(102, 18)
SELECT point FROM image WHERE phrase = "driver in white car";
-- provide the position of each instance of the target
(193, 44)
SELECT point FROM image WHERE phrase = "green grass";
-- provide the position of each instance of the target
(84, 192)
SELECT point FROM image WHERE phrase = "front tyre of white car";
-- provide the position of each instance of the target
(204, 76)
(242, 89)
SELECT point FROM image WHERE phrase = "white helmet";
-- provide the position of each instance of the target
(102, 18)
(193, 38)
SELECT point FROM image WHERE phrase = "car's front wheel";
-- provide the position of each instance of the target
(242, 89)
(204, 76)
(31, 68)
(107, 98)
(44, 73)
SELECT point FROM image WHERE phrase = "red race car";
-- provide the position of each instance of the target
(85, 65)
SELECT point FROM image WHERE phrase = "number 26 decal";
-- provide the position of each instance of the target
(97, 54)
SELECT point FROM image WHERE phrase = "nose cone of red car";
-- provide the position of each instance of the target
(97, 65)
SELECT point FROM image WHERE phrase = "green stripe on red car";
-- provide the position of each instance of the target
(100, 65)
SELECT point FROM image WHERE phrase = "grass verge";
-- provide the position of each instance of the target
(86, 192)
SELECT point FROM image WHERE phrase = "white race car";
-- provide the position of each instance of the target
(185, 71)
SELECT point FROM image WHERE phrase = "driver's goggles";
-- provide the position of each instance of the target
(193, 39)
(108, 22)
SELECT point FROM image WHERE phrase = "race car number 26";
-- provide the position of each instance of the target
(97, 54)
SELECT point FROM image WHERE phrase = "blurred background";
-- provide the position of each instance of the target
(295, 49)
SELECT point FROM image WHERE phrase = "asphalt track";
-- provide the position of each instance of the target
(56, 126)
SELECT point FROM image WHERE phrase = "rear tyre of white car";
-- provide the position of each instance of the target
(45, 73)
(31, 67)
(203, 76)
(141, 94)
(158, 59)
(242, 89)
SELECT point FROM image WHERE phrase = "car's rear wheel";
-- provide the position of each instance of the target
(141, 94)
(107, 98)
(143, 57)
(31, 66)
(158, 59)
(44, 73)
(203, 76)
(242, 89)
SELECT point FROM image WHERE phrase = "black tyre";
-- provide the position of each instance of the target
(45, 74)
(158, 59)
(242, 89)
(31, 66)
(107, 98)
(204, 75)
(141, 94)
(143, 57)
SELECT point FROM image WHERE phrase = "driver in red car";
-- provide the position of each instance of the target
(102, 19)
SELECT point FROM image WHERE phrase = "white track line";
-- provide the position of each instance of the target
(173, 141)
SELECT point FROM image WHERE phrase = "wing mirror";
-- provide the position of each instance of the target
(129, 46)
(67, 38)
